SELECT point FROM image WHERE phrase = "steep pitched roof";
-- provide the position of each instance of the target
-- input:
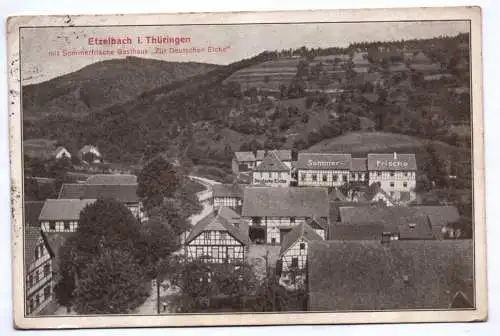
(335, 195)
(112, 179)
(88, 148)
(63, 209)
(398, 275)
(359, 165)
(272, 163)
(394, 162)
(60, 149)
(227, 190)
(289, 202)
(32, 211)
(282, 154)
(244, 156)
(126, 193)
(323, 161)
(31, 237)
(300, 231)
(219, 222)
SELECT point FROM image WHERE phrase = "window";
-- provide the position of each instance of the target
(412, 226)
(215, 252)
(406, 174)
(392, 184)
(325, 177)
(314, 177)
(273, 241)
(302, 177)
(199, 252)
(37, 276)
(295, 262)
(66, 226)
(353, 175)
(392, 174)
(206, 235)
(405, 184)
(344, 177)
(46, 293)
(223, 235)
(379, 173)
(292, 220)
(302, 246)
(46, 270)
(335, 177)
(256, 220)
(37, 255)
(52, 226)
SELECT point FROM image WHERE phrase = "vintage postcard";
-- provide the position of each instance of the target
(249, 168)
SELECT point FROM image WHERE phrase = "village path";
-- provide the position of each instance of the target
(149, 306)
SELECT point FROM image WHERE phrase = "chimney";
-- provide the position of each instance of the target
(395, 156)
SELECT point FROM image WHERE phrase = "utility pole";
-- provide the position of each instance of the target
(158, 295)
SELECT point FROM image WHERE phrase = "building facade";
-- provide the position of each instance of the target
(272, 172)
(227, 195)
(38, 270)
(284, 155)
(272, 212)
(62, 215)
(242, 162)
(395, 173)
(217, 238)
(323, 170)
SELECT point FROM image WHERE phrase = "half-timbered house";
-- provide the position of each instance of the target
(62, 215)
(272, 212)
(293, 253)
(227, 195)
(218, 238)
(323, 169)
(284, 155)
(38, 270)
(271, 172)
(124, 193)
(242, 162)
(396, 173)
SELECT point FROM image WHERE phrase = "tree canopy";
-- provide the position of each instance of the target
(157, 180)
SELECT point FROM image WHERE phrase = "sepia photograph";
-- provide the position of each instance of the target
(247, 169)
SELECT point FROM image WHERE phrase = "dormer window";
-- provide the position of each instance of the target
(412, 226)
(302, 246)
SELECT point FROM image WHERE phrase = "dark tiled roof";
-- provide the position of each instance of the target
(439, 215)
(282, 201)
(31, 238)
(359, 165)
(126, 193)
(410, 224)
(368, 275)
(227, 190)
(335, 195)
(63, 209)
(317, 223)
(244, 156)
(32, 211)
(300, 231)
(272, 163)
(223, 221)
(112, 179)
(358, 231)
(395, 162)
(71, 191)
(323, 161)
(283, 154)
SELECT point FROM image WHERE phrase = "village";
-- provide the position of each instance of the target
(347, 232)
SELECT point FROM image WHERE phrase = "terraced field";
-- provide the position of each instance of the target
(266, 75)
